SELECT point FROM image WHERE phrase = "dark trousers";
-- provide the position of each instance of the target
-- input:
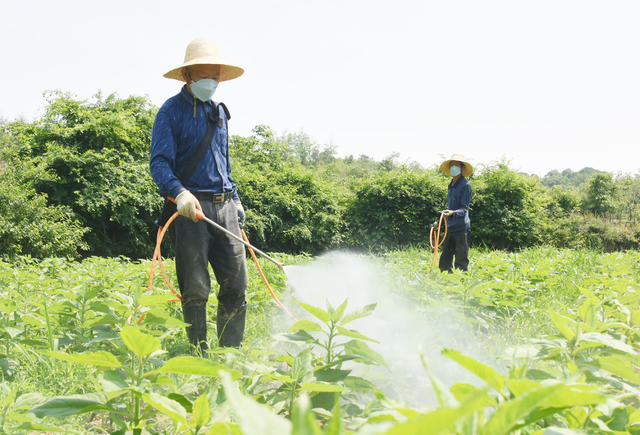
(198, 244)
(455, 244)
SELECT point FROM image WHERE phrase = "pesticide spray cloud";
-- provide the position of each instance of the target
(403, 327)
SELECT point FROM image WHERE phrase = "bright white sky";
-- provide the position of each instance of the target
(544, 84)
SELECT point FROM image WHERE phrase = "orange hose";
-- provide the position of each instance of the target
(157, 257)
(435, 242)
(264, 278)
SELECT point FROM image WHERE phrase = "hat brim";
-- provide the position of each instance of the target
(466, 171)
(227, 72)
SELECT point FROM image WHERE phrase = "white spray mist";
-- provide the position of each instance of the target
(403, 327)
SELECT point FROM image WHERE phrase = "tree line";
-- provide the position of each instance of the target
(75, 183)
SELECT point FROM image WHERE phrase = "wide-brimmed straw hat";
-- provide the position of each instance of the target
(467, 170)
(203, 51)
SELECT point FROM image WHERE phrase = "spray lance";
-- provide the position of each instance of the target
(242, 239)
(157, 257)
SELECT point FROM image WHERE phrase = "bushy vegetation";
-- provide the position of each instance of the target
(74, 360)
(89, 158)
(76, 183)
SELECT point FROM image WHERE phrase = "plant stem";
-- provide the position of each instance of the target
(46, 316)
(292, 396)
(329, 343)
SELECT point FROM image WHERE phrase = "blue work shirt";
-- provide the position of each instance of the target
(175, 137)
(458, 200)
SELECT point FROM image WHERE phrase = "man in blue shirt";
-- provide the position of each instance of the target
(458, 223)
(204, 184)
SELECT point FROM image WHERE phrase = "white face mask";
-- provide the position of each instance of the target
(203, 89)
(454, 171)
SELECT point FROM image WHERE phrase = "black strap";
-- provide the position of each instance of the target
(205, 143)
(226, 111)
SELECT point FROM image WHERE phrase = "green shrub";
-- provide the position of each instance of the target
(508, 209)
(593, 232)
(289, 210)
(395, 209)
(29, 226)
(92, 158)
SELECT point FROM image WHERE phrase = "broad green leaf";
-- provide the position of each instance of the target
(156, 316)
(590, 296)
(12, 332)
(190, 365)
(621, 366)
(444, 396)
(358, 384)
(354, 334)
(167, 406)
(484, 372)
(305, 325)
(182, 400)
(99, 359)
(358, 314)
(510, 414)
(364, 352)
(634, 418)
(69, 405)
(252, 417)
(285, 379)
(26, 401)
(334, 427)
(440, 421)
(330, 375)
(462, 392)
(560, 431)
(316, 312)
(111, 381)
(201, 411)
(301, 368)
(572, 395)
(139, 343)
(223, 428)
(565, 325)
(151, 300)
(300, 335)
(518, 387)
(304, 423)
(607, 340)
(41, 428)
(337, 314)
(320, 387)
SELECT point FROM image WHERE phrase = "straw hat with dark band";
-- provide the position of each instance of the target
(467, 170)
(202, 51)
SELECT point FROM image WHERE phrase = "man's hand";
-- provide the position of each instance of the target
(187, 205)
(447, 212)
(241, 215)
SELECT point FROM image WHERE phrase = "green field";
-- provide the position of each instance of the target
(558, 331)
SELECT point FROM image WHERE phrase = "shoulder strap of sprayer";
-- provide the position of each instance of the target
(213, 121)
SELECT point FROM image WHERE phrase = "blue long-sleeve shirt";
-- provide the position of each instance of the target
(458, 200)
(175, 137)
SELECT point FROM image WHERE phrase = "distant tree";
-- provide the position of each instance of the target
(568, 178)
(600, 194)
(563, 201)
(628, 204)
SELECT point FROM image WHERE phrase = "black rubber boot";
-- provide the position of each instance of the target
(196, 316)
(231, 326)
